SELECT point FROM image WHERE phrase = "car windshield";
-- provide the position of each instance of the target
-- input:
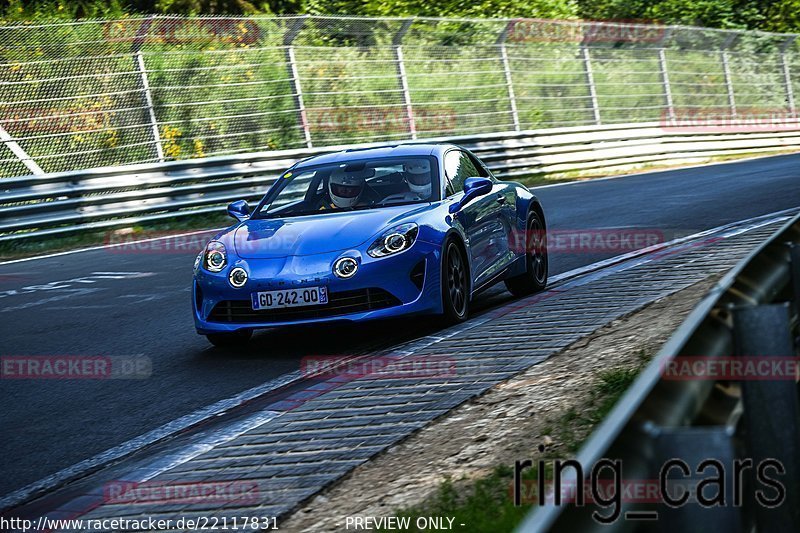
(353, 185)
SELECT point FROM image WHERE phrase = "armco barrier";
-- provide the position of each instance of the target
(71, 202)
(751, 318)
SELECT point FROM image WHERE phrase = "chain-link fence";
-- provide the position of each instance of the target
(109, 92)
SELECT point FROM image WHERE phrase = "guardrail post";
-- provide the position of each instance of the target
(693, 446)
(397, 41)
(787, 75)
(148, 98)
(587, 68)
(726, 70)
(18, 151)
(794, 255)
(512, 99)
(294, 76)
(771, 410)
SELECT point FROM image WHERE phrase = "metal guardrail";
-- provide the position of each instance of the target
(752, 312)
(71, 202)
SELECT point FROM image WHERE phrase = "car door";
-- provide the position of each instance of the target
(483, 219)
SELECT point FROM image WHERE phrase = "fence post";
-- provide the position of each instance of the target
(294, 76)
(662, 60)
(662, 63)
(397, 41)
(18, 151)
(148, 99)
(787, 76)
(138, 64)
(512, 99)
(587, 67)
(726, 69)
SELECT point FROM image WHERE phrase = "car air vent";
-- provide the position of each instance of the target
(418, 274)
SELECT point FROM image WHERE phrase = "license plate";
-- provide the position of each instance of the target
(290, 298)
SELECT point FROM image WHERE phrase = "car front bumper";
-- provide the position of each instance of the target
(382, 288)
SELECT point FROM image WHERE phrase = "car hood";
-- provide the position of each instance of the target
(316, 234)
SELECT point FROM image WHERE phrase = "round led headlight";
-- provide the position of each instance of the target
(394, 241)
(216, 256)
(237, 277)
(346, 267)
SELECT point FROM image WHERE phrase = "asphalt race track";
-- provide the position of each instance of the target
(104, 302)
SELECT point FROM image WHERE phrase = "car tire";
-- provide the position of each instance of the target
(233, 339)
(455, 283)
(535, 277)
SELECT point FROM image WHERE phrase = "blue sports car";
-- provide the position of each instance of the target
(366, 234)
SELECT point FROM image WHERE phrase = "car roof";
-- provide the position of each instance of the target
(398, 150)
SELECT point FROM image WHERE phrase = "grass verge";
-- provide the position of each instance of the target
(485, 505)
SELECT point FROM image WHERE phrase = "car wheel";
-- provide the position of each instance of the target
(455, 284)
(230, 340)
(535, 277)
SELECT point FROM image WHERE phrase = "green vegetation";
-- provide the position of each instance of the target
(769, 15)
(73, 95)
(485, 505)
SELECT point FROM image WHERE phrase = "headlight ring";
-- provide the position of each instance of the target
(394, 241)
(345, 267)
(216, 256)
(237, 277)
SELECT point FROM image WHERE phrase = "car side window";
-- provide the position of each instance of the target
(482, 172)
(458, 166)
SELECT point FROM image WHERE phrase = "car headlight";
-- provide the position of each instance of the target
(198, 259)
(216, 256)
(345, 267)
(394, 241)
(237, 277)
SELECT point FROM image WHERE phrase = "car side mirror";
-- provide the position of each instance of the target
(473, 188)
(239, 210)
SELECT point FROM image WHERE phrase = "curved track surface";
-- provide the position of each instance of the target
(139, 305)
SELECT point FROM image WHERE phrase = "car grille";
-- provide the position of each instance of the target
(339, 303)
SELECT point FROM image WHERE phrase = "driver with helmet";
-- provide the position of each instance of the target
(348, 188)
(418, 177)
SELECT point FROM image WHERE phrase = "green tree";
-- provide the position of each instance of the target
(445, 8)
(769, 15)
